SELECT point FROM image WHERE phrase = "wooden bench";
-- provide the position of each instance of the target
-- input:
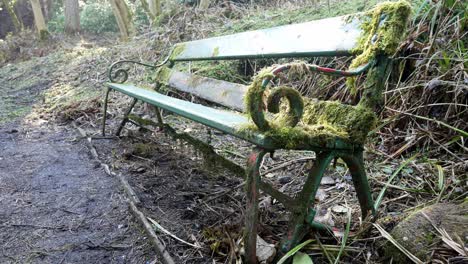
(330, 129)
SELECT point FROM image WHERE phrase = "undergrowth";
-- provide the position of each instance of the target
(424, 100)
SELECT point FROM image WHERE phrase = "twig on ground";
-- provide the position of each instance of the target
(132, 200)
(160, 228)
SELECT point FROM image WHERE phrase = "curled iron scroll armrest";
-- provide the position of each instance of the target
(118, 74)
(255, 95)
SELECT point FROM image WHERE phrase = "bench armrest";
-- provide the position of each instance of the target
(255, 95)
(117, 74)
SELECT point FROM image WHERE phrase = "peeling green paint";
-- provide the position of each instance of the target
(163, 75)
(178, 49)
(215, 52)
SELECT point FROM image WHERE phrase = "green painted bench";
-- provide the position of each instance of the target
(330, 129)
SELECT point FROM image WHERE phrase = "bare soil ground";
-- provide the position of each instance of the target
(56, 205)
(202, 203)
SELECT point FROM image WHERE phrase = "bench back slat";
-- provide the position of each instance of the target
(230, 95)
(326, 37)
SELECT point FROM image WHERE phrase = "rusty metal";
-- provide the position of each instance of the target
(303, 214)
(338, 36)
(355, 163)
(328, 71)
(123, 73)
(252, 184)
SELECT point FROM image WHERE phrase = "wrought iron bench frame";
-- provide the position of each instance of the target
(301, 206)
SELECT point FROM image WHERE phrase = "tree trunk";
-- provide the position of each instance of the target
(204, 4)
(155, 7)
(148, 10)
(39, 19)
(124, 18)
(47, 6)
(72, 16)
(10, 9)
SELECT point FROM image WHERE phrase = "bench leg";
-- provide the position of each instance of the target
(104, 112)
(159, 117)
(302, 215)
(251, 214)
(356, 167)
(125, 117)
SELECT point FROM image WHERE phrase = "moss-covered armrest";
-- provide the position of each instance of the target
(254, 99)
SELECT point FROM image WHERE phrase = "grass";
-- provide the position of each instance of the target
(261, 18)
(378, 201)
(17, 91)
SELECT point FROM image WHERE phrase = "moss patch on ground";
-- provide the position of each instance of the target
(19, 88)
(418, 235)
(68, 102)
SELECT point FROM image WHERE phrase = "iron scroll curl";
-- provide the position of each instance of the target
(118, 74)
(256, 106)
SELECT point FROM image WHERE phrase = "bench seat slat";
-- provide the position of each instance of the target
(223, 120)
(326, 37)
(226, 121)
(230, 95)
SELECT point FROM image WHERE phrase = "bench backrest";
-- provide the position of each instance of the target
(326, 37)
(337, 36)
(230, 95)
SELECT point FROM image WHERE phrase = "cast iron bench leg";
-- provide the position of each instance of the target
(302, 215)
(125, 117)
(251, 214)
(104, 112)
(356, 167)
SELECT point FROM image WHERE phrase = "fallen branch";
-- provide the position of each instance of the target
(133, 200)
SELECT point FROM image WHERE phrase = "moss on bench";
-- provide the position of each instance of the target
(220, 70)
(322, 123)
(378, 39)
(387, 36)
(325, 121)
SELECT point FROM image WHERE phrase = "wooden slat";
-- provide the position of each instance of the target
(325, 37)
(221, 92)
(226, 121)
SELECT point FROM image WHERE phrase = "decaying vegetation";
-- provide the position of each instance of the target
(417, 152)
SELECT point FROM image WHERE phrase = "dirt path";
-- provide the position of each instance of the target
(56, 204)
(57, 207)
